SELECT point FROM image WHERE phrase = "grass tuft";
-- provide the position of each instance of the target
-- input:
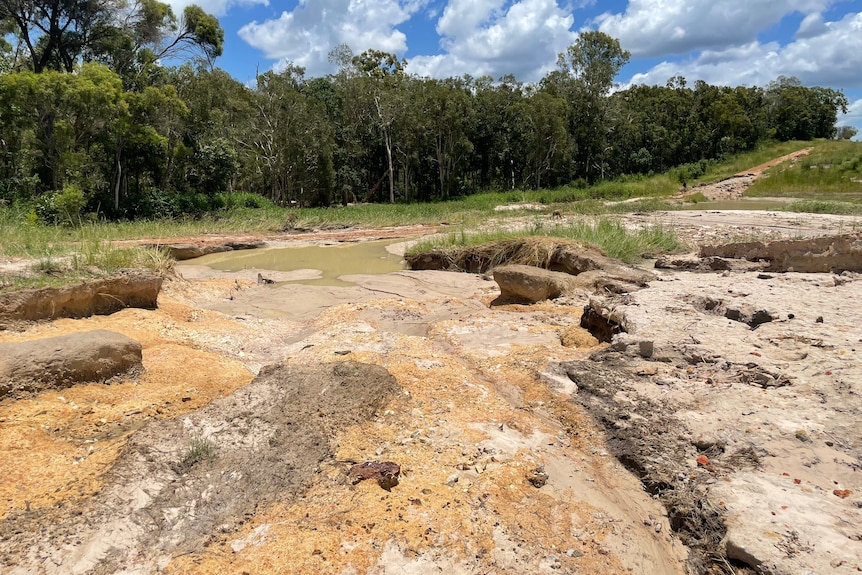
(200, 449)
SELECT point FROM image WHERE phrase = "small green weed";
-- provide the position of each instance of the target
(200, 449)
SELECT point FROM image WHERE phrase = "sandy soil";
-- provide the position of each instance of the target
(525, 446)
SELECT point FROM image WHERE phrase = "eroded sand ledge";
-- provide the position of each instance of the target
(491, 401)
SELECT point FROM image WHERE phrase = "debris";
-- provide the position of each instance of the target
(538, 477)
(384, 472)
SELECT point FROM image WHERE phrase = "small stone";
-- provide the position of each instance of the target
(538, 477)
(384, 472)
(452, 479)
(819, 319)
(707, 441)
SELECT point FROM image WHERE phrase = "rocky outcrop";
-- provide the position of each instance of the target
(814, 255)
(531, 284)
(190, 251)
(133, 288)
(59, 362)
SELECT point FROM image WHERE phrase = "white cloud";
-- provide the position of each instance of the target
(650, 28)
(306, 35)
(812, 25)
(216, 7)
(494, 37)
(832, 58)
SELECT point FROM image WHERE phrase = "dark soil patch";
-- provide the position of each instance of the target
(649, 441)
(184, 482)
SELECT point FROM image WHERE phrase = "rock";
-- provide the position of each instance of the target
(704, 264)
(531, 284)
(629, 343)
(182, 252)
(602, 321)
(538, 477)
(821, 254)
(133, 288)
(384, 472)
(746, 314)
(59, 362)
(706, 442)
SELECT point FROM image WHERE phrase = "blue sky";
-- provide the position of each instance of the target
(725, 42)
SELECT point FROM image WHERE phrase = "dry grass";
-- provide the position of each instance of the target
(532, 251)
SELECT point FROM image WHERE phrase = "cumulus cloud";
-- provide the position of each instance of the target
(216, 7)
(831, 58)
(812, 25)
(307, 34)
(650, 28)
(497, 37)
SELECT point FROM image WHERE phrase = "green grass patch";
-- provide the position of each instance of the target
(696, 198)
(607, 234)
(825, 207)
(200, 449)
(765, 152)
(831, 173)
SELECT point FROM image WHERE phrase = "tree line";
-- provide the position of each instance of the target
(94, 119)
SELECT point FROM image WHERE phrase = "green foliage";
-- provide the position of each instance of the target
(696, 198)
(831, 172)
(69, 203)
(142, 140)
(609, 235)
(825, 207)
(230, 201)
(200, 449)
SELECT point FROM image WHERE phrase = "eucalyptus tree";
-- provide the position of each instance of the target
(293, 140)
(496, 158)
(382, 75)
(543, 122)
(796, 112)
(59, 34)
(584, 76)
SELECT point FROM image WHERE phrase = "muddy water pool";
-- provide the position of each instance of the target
(333, 261)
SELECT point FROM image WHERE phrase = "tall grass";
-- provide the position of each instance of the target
(607, 234)
(832, 172)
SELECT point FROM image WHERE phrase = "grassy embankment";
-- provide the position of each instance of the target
(829, 180)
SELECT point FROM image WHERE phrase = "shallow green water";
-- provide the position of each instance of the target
(333, 261)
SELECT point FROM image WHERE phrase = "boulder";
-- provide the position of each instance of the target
(531, 284)
(182, 252)
(814, 255)
(133, 288)
(60, 362)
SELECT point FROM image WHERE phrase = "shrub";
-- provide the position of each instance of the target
(69, 204)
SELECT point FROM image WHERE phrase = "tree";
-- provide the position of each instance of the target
(799, 113)
(846, 132)
(585, 75)
(383, 73)
(544, 121)
(58, 34)
(293, 140)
